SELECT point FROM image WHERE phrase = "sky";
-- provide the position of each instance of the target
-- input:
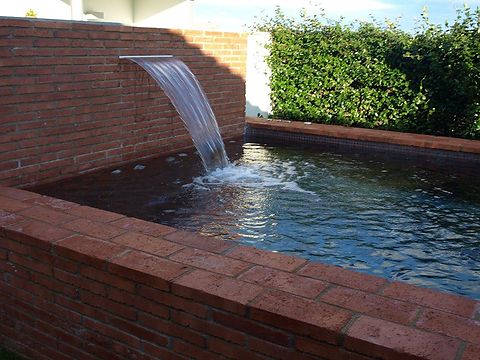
(238, 15)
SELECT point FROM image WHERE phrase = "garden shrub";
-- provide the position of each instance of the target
(377, 76)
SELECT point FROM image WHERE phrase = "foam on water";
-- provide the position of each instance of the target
(250, 176)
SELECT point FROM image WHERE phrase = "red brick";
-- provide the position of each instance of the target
(30, 264)
(266, 258)
(58, 334)
(16, 22)
(216, 290)
(8, 267)
(31, 288)
(251, 328)
(100, 346)
(139, 303)
(436, 142)
(295, 284)
(70, 34)
(383, 339)
(344, 277)
(106, 278)
(232, 351)
(88, 250)
(173, 301)
(300, 315)
(426, 297)
(210, 261)
(191, 351)
(8, 218)
(81, 307)
(138, 331)
(11, 205)
(16, 292)
(144, 227)
(94, 214)
(49, 216)
(276, 351)
(326, 351)
(66, 265)
(36, 233)
(147, 244)
(41, 255)
(450, 325)
(64, 316)
(199, 242)
(147, 269)
(80, 282)
(76, 353)
(44, 342)
(112, 333)
(107, 305)
(471, 352)
(207, 327)
(15, 246)
(95, 229)
(103, 35)
(371, 304)
(171, 329)
(55, 204)
(160, 353)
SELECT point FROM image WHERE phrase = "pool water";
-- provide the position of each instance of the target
(402, 218)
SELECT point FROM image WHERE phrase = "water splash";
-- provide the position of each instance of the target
(184, 91)
(247, 176)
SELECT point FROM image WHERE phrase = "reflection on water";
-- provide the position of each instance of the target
(398, 218)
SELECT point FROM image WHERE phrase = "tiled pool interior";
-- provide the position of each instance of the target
(402, 215)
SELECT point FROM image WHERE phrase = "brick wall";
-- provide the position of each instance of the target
(69, 105)
(82, 283)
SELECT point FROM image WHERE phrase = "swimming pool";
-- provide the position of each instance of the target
(401, 217)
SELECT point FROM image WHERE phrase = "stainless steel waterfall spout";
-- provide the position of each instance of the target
(143, 56)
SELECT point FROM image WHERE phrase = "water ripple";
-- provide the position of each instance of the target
(405, 224)
(394, 217)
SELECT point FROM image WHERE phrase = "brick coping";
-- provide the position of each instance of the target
(360, 313)
(381, 136)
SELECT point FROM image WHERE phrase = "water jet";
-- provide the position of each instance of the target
(184, 91)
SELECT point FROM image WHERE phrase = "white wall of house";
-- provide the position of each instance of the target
(47, 9)
(152, 13)
(166, 13)
(258, 75)
(120, 11)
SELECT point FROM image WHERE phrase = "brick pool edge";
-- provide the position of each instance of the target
(83, 283)
(410, 140)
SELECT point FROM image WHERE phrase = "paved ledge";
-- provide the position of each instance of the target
(382, 136)
(83, 283)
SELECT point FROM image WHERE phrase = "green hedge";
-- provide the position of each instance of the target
(377, 76)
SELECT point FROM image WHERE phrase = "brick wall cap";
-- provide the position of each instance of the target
(277, 291)
(383, 136)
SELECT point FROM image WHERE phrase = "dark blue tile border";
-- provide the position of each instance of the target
(255, 134)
